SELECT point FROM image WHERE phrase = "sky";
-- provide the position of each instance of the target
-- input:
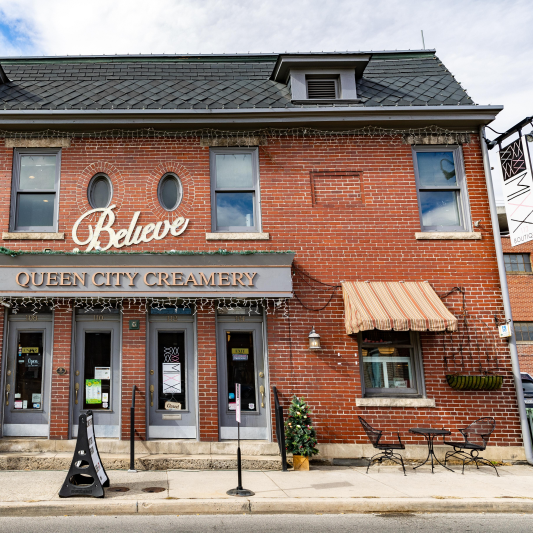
(486, 44)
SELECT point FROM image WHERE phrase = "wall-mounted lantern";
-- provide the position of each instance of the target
(314, 340)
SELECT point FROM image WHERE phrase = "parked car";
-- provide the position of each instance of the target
(527, 385)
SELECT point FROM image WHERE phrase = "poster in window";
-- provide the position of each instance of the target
(171, 378)
(93, 391)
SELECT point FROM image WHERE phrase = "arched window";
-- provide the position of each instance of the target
(169, 192)
(100, 191)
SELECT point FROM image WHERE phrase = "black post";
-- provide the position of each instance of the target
(132, 433)
(239, 464)
(239, 491)
(280, 430)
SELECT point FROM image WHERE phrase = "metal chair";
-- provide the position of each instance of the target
(386, 448)
(476, 437)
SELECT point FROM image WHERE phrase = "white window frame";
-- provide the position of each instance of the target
(416, 371)
(463, 202)
(15, 190)
(256, 228)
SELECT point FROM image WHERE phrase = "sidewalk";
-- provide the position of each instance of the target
(325, 489)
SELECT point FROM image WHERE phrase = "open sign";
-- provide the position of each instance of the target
(33, 360)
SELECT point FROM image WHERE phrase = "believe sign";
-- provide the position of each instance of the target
(518, 190)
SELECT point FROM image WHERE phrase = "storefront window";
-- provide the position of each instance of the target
(172, 371)
(97, 386)
(241, 368)
(389, 362)
(29, 371)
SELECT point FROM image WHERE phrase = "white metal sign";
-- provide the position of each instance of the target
(518, 190)
(238, 402)
(94, 451)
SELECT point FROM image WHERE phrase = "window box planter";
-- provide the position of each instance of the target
(485, 383)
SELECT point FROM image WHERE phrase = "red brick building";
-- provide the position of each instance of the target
(181, 223)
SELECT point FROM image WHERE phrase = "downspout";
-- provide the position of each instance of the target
(526, 433)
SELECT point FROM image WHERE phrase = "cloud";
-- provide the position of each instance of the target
(486, 44)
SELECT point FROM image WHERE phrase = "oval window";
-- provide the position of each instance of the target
(169, 192)
(100, 191)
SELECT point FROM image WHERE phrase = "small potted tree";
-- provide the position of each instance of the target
(300, 435)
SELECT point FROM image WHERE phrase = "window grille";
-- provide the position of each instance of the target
(321, 89)
(517, 262)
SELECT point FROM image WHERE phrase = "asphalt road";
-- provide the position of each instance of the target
(394, 523)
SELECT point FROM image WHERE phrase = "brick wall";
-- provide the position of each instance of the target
(133, 371)
(61, 357)
(521, 296)
(374, 241)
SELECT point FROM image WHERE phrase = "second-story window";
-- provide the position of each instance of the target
(517, 262)
(441, 185)
(235, 190)
(100, 191)
(35, 190)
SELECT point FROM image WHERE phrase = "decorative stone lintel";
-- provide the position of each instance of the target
(252, 140)
(9, 236)
(448, 236)
(63, 142)
(437, 138)
(394, 402)
(245, 236)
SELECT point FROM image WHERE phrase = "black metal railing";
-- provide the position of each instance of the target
(132, 432)
(280, 430)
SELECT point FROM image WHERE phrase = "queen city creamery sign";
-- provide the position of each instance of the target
(124, 237)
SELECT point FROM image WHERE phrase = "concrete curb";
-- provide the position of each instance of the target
(85, 507)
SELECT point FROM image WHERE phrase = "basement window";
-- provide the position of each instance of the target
(322, 88)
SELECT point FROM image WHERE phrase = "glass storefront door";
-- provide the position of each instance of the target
(28, 374)
(240, 360)
(172, 378)
(96, 382)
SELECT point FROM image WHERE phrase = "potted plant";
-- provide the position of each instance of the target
(300, 435)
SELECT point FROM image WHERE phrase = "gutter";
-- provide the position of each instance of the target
(466, 115)
(526, 433)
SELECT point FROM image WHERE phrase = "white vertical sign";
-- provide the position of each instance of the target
(518, 190)
(238, 402)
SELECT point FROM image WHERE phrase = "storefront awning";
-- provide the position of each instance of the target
(400, 306)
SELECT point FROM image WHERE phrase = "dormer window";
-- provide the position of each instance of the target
(322, 88)
(321, 78)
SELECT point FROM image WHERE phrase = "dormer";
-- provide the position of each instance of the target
(321, 78)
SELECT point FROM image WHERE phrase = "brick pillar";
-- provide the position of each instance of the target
(62, 350)
(207, 377)
(134, 372)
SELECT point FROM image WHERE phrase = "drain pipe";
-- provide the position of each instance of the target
(526, 433)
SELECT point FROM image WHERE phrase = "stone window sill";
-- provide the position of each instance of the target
(524, 342)
(448, 235)
(7, 236)
(237, 236)
(395, 402)
(517, 273)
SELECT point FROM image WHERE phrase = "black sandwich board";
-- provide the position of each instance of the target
(87, 475)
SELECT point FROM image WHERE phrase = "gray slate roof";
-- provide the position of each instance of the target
(208, 82)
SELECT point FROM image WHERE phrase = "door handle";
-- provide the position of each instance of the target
(262, 391)
(151, 395)
(76, 389)
(8, 389)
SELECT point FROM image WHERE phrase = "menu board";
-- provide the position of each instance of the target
(93, 391)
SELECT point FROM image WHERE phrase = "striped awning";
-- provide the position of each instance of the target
(396, 305)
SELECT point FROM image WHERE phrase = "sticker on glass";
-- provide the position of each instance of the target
(232, 406)
(18, 405)
(36, 405)
(240, 354)
(24, 404)
(36, 398)
(251, 406)
(93, 391)
(102, 372)
(105, 405)
(17, 395)
(232, 396)
(105, 396)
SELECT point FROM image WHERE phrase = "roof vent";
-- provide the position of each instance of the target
(321, 88)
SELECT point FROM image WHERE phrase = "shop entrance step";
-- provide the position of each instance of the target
(62, 460)
(150, 447)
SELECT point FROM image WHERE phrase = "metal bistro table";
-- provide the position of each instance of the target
(430, 434)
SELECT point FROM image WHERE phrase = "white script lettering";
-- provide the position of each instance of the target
(124, 237)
